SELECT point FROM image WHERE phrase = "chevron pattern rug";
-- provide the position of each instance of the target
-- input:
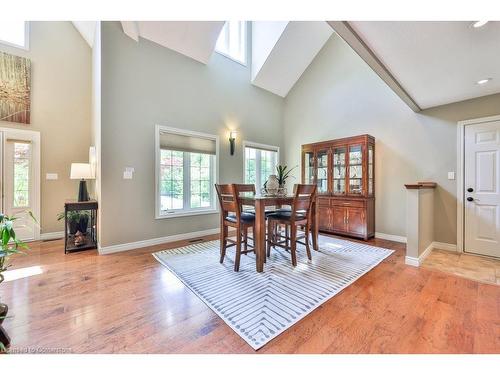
(260, 306)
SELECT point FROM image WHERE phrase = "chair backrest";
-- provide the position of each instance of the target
(243, 188)
(228, 199)
(305, 195)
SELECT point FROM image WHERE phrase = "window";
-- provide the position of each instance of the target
(22, 158)
(186, 172)
(232, 41)
(14, 33)
(260, 162)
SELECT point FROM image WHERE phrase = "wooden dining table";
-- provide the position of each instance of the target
(260, 202)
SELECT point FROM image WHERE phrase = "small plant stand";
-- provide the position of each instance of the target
(90, 235)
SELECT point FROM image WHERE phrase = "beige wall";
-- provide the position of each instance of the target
(144, 84)
(339, 96)
(60, 109)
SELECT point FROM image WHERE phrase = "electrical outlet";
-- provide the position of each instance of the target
(451, 175)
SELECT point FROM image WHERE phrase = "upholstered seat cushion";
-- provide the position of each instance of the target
(268, 211)
(246, 217)
(286, 215)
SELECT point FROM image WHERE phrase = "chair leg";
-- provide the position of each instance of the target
(308, 249)
(270, 236)
(245, 239)
(223, 242)
(238, 250)
(293, 245)
(287, 238)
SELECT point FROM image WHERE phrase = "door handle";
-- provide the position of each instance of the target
(470, 190)
(470, 199)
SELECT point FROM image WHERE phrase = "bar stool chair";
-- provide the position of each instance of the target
(232, 216)
(299, 215)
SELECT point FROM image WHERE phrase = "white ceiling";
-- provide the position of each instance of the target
(87, 30)
(437, 62)
(284, 51)
(195, 39)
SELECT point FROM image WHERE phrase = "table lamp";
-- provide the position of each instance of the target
(82, 172)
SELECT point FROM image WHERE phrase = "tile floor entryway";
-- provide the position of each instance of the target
(469, 266)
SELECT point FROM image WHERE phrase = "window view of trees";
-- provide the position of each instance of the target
(259, 165)
(21, 174)
(185, 180)
(171, 180)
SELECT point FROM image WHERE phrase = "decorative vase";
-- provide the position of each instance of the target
(83, 224)
(4, 337)
(273, 184)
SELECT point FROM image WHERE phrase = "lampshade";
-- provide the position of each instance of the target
(81, 171)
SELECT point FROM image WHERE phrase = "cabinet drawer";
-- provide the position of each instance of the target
(323, 201)
(349, 203)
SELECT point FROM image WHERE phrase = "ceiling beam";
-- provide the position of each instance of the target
(131, 29)
(346, 32)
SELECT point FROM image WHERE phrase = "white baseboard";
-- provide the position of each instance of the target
(444, 246)
(156, 241)
(416, 262)
(51, 236)
(390, 237)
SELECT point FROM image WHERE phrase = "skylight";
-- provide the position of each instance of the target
(14, 33)
(232, 41)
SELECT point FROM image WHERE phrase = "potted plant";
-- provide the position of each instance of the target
(9, 245)
(283, 174)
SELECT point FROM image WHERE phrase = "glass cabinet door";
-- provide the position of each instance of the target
(309, 167)
(322, 171)
(355, 169)
(370, 169)
(339, 166)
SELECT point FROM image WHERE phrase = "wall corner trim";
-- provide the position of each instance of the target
(155, 241)
(416, 262)
(390, 237)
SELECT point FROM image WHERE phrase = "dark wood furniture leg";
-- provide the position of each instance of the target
(315, 226)
(260, 234)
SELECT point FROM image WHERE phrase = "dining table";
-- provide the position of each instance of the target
(260, 202)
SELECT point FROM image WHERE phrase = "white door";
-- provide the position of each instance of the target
(482, 188)
(20, 181)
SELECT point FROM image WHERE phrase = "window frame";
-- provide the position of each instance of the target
(260, 146)
(26, 46)
(245, 47)
(214, 178)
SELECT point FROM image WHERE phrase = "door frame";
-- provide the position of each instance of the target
(461, 175)
(35, 137)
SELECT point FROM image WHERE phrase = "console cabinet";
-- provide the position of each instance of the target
(344, 171)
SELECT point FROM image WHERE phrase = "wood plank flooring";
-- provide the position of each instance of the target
(128, 303)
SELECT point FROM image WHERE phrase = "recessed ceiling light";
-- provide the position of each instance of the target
(483, 81)
(479, 24)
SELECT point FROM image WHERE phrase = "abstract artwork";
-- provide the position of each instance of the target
(15, 88)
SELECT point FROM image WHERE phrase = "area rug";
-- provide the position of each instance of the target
(260, 306)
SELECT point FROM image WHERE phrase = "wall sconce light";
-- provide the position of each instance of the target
(232, 139)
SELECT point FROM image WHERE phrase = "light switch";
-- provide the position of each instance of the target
(128, 173)
(451, 175)
(51, 176)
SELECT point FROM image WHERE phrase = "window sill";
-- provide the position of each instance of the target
(210, 211)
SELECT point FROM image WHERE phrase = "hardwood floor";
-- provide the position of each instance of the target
(128, 303)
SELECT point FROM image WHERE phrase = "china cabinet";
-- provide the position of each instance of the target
(344, 171)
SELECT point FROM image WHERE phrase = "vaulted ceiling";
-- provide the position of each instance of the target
(195, 39)
(435, 63)
(426, 63)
